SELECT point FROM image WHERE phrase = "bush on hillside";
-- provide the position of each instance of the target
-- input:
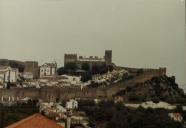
(86, 77)
(109, 115)
(62, 71)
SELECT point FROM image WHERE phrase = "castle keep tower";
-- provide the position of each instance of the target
(32, 67)
(108, 56)
(70, 58)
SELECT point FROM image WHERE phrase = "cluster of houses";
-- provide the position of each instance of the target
(48, 77)
(33, 71)
(12, 75)
(75, 81)
(63, 112)
(67, 114)
(78, 120)
(46, 74)
(110, 77)
(57, 110)
(8, 74)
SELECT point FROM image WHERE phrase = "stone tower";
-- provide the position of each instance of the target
(108, 56)
(70, 58)
(32, 67)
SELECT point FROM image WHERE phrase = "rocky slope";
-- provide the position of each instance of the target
(161, 88)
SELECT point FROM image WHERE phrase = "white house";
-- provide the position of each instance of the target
(28, 75)
(72, 104)
(177, 117)
(48, 70)
(8, 74)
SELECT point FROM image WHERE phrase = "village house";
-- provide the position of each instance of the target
(48, 70)
(177, 117)
(8, 74)
(28, 75)
(52, 106)
(72, 104)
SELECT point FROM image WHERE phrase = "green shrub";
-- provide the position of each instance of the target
(86, 77)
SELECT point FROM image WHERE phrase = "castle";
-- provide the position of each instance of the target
(48, 70)
(91, 61)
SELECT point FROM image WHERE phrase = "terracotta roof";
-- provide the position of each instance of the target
(35, 121)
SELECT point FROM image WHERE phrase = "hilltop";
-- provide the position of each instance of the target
(158, 88)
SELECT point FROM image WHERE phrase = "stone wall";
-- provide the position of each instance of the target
(61, 93)
(160, 71)
(32, 67)
(70, 58)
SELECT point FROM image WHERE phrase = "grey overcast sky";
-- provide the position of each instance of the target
(141, 33)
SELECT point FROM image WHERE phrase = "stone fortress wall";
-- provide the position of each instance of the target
(53, 93)
(92, 61)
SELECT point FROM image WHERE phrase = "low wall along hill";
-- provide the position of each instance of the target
(61, 93)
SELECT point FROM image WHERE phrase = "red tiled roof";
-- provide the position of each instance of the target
(35, 121)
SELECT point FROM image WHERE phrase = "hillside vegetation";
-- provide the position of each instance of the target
(161, 88)
(110, 115)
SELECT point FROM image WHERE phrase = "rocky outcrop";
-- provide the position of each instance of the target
(159, 88)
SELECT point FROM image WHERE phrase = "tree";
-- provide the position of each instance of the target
(136, 97)
(61, 71)
(110, 115)
(99, 69)
(8, 85)
(86, 77)
(110, 68)
(140, 71)
(103, 69)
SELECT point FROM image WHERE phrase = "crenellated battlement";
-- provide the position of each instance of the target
(91, 61)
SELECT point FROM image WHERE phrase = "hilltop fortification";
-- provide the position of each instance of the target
(91, 61)
(53, 93)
